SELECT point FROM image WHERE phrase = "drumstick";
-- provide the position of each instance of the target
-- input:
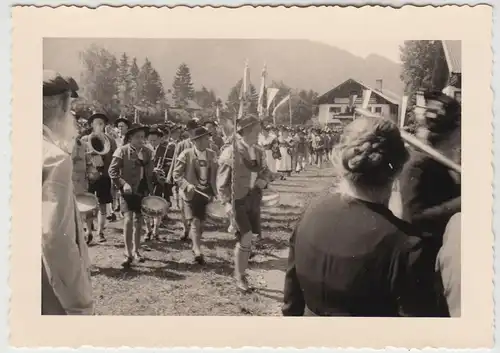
(202, 193)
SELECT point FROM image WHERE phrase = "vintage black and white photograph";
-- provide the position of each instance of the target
(254, 176)
(251, 177)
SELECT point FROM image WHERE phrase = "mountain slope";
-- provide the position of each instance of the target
(218, 63)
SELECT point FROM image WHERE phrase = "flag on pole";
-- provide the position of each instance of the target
(283, 101)
(260, 106)
(217, 113)
(245, 90)
(366, 98)
(271, 94)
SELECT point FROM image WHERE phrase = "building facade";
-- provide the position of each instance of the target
(339, 103)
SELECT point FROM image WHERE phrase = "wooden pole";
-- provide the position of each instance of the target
(290, 108)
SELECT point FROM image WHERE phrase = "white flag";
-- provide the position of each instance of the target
(166, 115)
(271, 94)
(366, 98)
(245, 89)
(283, 101)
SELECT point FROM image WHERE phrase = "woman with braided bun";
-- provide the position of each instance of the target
(349, 255)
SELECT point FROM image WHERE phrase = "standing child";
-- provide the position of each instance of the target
(132, 173)
(195, 173)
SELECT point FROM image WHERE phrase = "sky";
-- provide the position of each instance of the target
(386, 48)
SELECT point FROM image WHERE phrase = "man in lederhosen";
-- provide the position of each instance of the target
(181, 146)
(132, 172)
(195, 172)
(242, 192)
(122, 124)
(99, 180)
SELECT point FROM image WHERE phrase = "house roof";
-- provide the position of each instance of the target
(386, 94)
(453, 53)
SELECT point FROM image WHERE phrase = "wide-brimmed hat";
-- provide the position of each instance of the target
(192, 124)
(246, 121)
(135, 128)
(101, 116)
(54, 83)
(154, 131)
(123, 120)
(199, 132)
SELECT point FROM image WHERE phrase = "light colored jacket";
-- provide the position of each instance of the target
(179, 147)
(243, 167)
(448, 265)
(66, 284)
(185, 171)
(124, 168)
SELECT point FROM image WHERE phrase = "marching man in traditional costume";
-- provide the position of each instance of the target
(195, 172)
(100, 149)
(132, 173)
(238, 165)
(181, 146)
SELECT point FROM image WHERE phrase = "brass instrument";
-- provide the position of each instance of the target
(98, 145)
(158, 170)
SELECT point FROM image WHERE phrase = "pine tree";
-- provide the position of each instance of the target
(124, 82)
(149, 86)
(134, 76)
(183, 86)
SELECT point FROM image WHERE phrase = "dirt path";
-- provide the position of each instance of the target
(168, 283)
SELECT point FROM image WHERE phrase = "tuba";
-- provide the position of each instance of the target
(98, 145)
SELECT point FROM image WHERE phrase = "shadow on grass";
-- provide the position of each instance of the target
(132, 272)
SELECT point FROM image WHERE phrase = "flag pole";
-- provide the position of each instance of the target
(290, 108)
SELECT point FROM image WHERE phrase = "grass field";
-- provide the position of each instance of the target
(169, 283)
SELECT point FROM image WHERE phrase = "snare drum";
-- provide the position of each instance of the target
(154, 206)
(216, 211)
(86, 202)
(270, 198)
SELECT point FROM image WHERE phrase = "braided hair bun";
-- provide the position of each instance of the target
(372, 151)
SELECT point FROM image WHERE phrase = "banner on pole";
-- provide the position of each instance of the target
(283, 101)
(271, 94)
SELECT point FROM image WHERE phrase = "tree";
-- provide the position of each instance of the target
(183, 86)
(99, 77)
(205, 98)
(124, 82)
(424, 65)
(149, 85)
(134, 76)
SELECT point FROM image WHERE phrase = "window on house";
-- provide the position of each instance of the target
(378, 110)
(335, 110)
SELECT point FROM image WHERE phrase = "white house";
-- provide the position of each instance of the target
(339, 103)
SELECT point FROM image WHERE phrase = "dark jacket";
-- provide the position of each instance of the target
(429, 193)
(354, 258)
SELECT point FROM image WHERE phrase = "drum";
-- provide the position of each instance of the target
(154, 206)
(216, 211)
(86, 202)
(270, 198)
